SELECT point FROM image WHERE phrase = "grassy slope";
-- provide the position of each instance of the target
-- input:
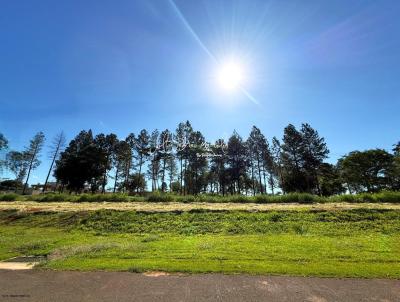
(355, 243)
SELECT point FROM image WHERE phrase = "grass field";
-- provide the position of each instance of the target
(344, 243)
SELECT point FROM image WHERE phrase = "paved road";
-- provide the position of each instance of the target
(35, 285)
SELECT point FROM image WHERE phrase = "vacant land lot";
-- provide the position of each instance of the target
(345, 243)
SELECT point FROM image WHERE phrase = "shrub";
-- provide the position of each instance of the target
(151, 238)
(387, 196)
(186, 199)
(275, 217)
(135, 269)
(297, 198)
(80, 198)
(343, 198)
(9, 197)
(157, 197)
(116, 197)
(238, 199)
(366, 197)
(101, 198)
(263, 199)
(52, 197)
(300, 229)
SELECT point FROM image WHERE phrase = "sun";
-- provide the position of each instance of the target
(230, 75)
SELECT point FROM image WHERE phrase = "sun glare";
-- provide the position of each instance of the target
(230, 75)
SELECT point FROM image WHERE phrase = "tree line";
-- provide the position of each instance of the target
(184, 162)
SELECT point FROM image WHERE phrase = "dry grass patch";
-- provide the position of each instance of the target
(32, 206)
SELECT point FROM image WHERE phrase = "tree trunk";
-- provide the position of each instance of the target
(252, 179)
(181, 178)
(127, 172)
(140, 171)
(103, 185)
(115, 181)
(259, 174)
(51, 166)
(265, 181)
(163, 175)
(29, 170)
(184, 188)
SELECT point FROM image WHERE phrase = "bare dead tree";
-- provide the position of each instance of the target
(56, 147)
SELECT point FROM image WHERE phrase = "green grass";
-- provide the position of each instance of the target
(10, 197)
(351, 243)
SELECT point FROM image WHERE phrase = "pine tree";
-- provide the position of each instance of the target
(142, 149)
(315, 152)
(237, 162)
(276, 156)
(122, 157)
(180, 145)
(106, 144)
(165, 153)
(195, 176)
(56, 147)
(80, 163)
(218, 164)
(154, 165)
(292, 159)
(16, 162)
(129, 158)
(3, 146)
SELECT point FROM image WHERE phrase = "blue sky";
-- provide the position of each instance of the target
(120, 66)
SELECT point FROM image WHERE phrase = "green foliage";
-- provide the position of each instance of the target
(3, 146)
(157, 197)
(10, 185)
(185, 163)
(330, 182)
(103, 198)
(384, 196)
(367, 171)
(50, 197)
(303, 153)
(191, 198)
(9, 197)
(136, 183)
(81, 162)
(17, 164)
(32, 155)
(3, 142)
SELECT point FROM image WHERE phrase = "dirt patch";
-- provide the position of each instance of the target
(161, 274)
(28, 206)
(21, 263)
(156, 274)
(16, 265)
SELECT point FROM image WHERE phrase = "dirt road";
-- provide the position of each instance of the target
(36, 285)
(31, 206)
